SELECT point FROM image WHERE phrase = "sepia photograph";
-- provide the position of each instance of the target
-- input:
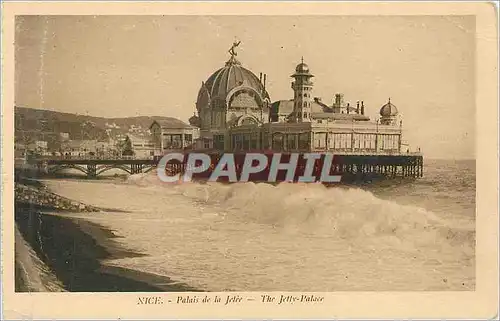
(280, 155)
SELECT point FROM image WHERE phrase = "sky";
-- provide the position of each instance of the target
(118, 66)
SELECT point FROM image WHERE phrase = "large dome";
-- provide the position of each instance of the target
(233, 75)
(222, 82)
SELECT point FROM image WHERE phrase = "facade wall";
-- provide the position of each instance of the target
(224, 113)
(304, 137)
(214, 118)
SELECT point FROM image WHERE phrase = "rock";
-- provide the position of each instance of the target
(42, 197)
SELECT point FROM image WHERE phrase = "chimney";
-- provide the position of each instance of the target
(265, 76)
(362, 108)
(348, 107)
(260, 78)
(337, 100)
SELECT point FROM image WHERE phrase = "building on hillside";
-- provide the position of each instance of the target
(106, 148)
(136, 129)
(64, 136)
(172, 136)
(79, 148)
(113, 125)
(41, 147)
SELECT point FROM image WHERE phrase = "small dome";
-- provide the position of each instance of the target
(389, 110)
(302, 68)
(194, 121)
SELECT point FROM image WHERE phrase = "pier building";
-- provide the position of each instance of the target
(235, 113)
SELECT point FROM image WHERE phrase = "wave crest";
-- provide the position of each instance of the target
(350, 214)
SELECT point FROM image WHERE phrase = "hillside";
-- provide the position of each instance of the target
(38, 124)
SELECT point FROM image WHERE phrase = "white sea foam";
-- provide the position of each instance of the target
(347, 213)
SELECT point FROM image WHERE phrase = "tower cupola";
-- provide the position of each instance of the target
(388, 113)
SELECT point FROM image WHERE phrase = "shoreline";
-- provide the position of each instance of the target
(453, 263)
(73, 250)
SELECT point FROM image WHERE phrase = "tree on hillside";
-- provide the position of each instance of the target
(88, 130)
(127, 147)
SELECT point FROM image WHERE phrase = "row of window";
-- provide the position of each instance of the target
(356, 141)
(304, 88)
(338, 141)
(305, 115)
(174, 141)
(300, 141)
(305, 104)
(306, 95)
(172, 137)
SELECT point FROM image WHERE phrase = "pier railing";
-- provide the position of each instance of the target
(113, 157)
(92, 157)
(372, 153)
(346, 163)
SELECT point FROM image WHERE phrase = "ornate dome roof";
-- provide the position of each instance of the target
(194, 121)
(233, 75)
(302, 68)
(388, 110)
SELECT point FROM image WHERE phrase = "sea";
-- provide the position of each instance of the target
(397, 235)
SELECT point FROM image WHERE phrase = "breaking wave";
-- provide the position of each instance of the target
(349, 214)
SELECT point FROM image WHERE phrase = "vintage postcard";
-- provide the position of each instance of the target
(249, 160)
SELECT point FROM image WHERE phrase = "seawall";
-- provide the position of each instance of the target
(31, 273)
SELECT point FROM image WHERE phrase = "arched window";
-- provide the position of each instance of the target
(305, 104)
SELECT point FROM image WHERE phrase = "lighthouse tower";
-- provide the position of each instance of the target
(302, 87)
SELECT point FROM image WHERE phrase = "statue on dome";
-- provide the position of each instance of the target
(232, 52)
